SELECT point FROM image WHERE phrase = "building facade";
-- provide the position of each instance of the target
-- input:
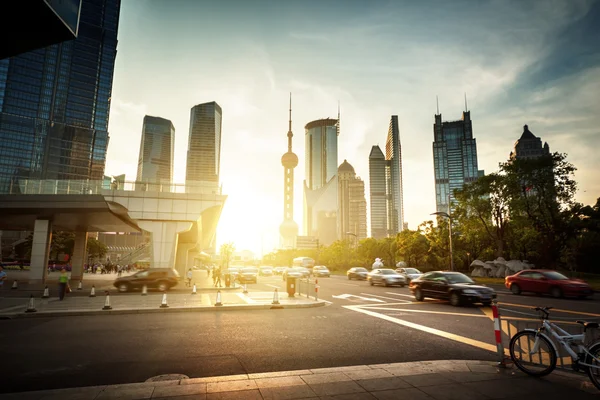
(204, 143)
(54, 103)
(289, 228)
(352, 208)
(454, 158)
(378, 193)
(395, 195)
(529, 146)
(321, 183)
(155, 163)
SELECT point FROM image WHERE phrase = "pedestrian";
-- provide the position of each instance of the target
(189, 277)
(63, 284)
(3, 276)
(217, 277)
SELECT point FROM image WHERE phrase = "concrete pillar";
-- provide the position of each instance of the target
(181, 260)
(40, 251)
(79, 256)
(191, 257)
(164, 240)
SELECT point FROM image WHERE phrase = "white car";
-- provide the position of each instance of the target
(386, 277)
(409, 273)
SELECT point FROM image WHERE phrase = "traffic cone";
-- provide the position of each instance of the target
(194, 289)
(80, 286)
(107, 302)
(14, 286)
(93, 291)
(218, 303)
(164, 301)
(31, 305)
(245, 288)
(46, 293)
(275, 297)
(144, 290)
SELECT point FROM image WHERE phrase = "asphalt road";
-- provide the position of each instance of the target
(361, 325)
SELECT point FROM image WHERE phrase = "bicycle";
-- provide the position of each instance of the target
(585, 358)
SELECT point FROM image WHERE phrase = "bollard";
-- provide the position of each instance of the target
(14, 286)
(31, 305)
(218, 302)
(144, 290)
(245, 288)
(503, 361)
(46, 293)
(275, 297)
(194, 288)
(80, 286)
(316, 289)
(164, 304)
(107, 302)
(93, 291)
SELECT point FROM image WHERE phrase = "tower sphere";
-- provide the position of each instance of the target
(289, 160)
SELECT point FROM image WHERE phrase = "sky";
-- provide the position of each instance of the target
(519, 62)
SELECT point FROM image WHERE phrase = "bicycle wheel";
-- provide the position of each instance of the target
(540, 363)
(594, 372)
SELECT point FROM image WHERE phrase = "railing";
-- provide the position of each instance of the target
(140, 252)
(56, 186)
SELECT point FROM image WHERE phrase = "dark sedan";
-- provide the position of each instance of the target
(453, 286)
(357, 273)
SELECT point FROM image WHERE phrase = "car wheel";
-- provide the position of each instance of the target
(162, 286)
(556, 292)
(455, 299)
(515, 289)
(419, 295)
(124, 287)
(371, 282)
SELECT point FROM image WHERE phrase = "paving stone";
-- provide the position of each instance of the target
(351, 396)
(126, 393)
(180, 390)
(335, 388)
(473, 376)
(209, 379)
(376, 384)
(238, 395)
(324, 378)
(368, 374)
(185, 397)
(230, 386)
(427, 380)
(402, 394)
(280, 373)
(454, 391)
(287, 392)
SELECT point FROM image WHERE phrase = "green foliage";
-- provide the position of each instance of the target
(226, 253)
(96, 249)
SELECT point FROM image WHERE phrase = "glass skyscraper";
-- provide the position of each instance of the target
(54, 103)
(393, 155)
(454, 158)
(155, 164)
(204, 143)
(378, 193)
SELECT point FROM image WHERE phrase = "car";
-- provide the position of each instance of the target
(359, 273)
(386, 277)
(454, 286)
(248, 275)
(409, 273)
(162, 279)
(292, 272)
(319, 271)
(545, 281)
(265, 271)
(279, 270)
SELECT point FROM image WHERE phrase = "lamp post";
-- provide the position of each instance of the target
(445, 214)
(355, 238)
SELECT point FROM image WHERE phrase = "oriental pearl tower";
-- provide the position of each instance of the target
(289, 228)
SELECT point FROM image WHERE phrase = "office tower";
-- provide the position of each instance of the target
(393, 155)
(378, 193)
(54, 103)
(352, 209)
(454, 157)
(529, 146)
(204, 143)
(321, 184)
(37, 24)
(155, 163)
(289, 161)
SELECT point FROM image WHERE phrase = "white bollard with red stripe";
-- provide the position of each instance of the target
(316, 289)
(503, 361)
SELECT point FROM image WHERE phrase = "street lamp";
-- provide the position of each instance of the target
(445, 214)
(355, 238)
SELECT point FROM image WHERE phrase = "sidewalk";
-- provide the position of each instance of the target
(427, 380)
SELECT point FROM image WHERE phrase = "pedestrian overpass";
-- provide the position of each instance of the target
(182, 219)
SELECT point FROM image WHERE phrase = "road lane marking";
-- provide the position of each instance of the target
(381, 297)
(347, 297)
(400, 294)
(427, 312)
(273, 286)
(350, 284)
(554, 309)
(423, 328)
(247, 299)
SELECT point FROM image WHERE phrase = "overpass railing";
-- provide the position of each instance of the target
(57, 186)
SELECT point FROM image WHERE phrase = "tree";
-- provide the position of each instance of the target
(412, 247)
(226, 252)
(96, 249)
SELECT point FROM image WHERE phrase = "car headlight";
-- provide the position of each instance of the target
(469, 291)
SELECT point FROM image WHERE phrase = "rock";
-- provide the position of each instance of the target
(478, 271)
(401, 264)
(514, 266)
(501, 271)
(477, 263)
(377, 263)
(490, 269)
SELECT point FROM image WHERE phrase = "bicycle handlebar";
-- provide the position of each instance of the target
(544, 310)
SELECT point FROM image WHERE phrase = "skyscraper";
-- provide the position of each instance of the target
(321, 184)
(378, 194)
(289, 227)
(529, 146)
(204, 143)
(54, 103)
(454, 158)
(352, 209)
(393, 155)
(155, 164)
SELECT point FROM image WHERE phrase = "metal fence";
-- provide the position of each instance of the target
(305, 287)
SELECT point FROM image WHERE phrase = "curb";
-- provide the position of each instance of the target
(228, 307)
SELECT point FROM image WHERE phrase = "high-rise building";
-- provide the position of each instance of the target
(393, 155)
(352, 208)
(529, 146)
(321, 183)
(54, 103)
(454, 158)
(378, 193)
(204, 143)
(155, 164)
(289, 227)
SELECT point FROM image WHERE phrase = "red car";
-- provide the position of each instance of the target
(544, 281)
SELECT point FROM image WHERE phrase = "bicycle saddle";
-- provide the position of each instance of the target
(590, 325)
